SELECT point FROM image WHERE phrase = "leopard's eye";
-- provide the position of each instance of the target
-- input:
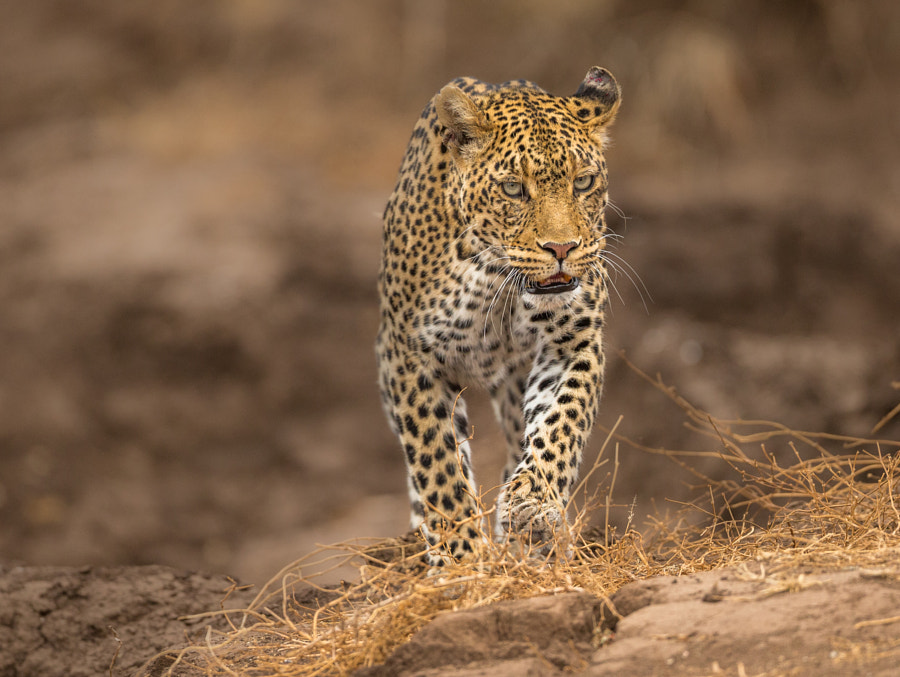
(513, 188)
(583, 183)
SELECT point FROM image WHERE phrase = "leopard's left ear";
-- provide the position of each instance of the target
(599, 96)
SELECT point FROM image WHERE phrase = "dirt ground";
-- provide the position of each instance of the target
(700, 624)
(189, 239)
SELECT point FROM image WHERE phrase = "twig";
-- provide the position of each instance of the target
(877, 621)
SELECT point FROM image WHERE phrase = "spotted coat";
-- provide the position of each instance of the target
(493, 275)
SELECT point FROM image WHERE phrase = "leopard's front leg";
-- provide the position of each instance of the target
(429, 417)
(560, 404)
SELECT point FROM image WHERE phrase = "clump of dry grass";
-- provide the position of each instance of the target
(836, 503)
(838, 496)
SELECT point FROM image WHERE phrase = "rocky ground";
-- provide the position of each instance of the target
(741, 620)
(189, 237)
(729, 622)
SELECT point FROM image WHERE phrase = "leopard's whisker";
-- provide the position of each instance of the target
(617, 210)
(512, 292)
(493, 260)
(606, 281)
(490, 309)
(476, 258)
(611, 235)
(458, 238)
(610, 279)
(628, 270)
(620, 265)
(497, 278)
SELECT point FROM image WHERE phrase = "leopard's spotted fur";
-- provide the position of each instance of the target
(493, 275)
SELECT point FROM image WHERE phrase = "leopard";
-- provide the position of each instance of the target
(494, 275)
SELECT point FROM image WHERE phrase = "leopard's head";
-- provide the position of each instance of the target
(530, 179)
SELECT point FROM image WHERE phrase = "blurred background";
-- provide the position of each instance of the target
(190, 200)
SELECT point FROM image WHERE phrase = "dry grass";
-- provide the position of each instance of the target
(836, 504)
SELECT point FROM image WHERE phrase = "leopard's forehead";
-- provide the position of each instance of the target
(538, 129)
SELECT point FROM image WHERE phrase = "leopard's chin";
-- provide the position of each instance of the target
(556, 284)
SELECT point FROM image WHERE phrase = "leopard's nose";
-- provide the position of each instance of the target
(560, 251)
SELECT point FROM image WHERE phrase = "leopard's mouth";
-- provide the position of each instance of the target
(557, 284)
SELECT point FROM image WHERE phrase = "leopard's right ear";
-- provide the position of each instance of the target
(466, 128)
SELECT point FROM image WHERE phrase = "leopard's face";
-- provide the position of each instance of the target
(532, 191)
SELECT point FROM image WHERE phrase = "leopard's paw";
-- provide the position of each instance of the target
(540, 524)
(450, 547)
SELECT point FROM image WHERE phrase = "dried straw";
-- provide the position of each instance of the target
(836, 504)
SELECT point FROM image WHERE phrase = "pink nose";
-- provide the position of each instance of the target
(559, 250)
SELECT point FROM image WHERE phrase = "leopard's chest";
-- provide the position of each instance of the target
(478, 329)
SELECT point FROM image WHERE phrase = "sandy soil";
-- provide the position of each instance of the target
(87, 621)
(189, 236)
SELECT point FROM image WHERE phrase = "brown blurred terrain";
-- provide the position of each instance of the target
(190, 198)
